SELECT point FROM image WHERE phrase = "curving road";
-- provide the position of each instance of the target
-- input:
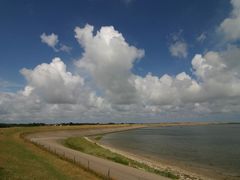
(52, 142)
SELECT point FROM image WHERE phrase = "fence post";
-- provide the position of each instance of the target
(108, 173)
(88, 165)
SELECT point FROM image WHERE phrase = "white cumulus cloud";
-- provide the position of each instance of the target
(51, 40)
(108, 58)
(179, 49)
(230, 27)
(105, 88)
(53, 83)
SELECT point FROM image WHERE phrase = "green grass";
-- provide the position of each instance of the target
(22, 160)
(83, 145)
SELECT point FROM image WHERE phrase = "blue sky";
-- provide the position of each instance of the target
(147, 25)
(169, 33)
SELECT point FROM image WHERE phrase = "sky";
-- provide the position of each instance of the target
(119, 61)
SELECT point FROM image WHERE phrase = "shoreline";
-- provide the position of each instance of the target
(180, 170)
(50, 138)
(52, 142)
(183, 174)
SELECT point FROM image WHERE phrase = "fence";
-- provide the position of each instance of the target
(95, 165)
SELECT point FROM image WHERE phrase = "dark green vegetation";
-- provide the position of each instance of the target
(83, 145)
(20, 159)
(5, 125)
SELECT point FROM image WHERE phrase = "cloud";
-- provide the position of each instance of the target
(216, 77)
(230, 27)
(105, 88)
(53, 83)
(167, 90)
(216, 88)
(108, 59)
(178, 47)
(52, 41)
(52, 93)
(65, 48)
(202, 37)
(16, 107)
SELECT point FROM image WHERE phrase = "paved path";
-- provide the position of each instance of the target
(52, 142)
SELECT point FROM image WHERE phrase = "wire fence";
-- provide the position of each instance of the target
(96, 166)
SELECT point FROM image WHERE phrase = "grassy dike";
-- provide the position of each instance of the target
(83, 145)
(20, 159)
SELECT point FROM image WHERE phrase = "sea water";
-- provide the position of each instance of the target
(213, 147)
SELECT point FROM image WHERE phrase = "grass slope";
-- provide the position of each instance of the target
(23, 160)
(83, 145)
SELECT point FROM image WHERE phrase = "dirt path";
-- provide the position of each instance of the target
(51, 141)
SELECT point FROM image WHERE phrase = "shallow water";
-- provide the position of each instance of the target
(214, 147)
